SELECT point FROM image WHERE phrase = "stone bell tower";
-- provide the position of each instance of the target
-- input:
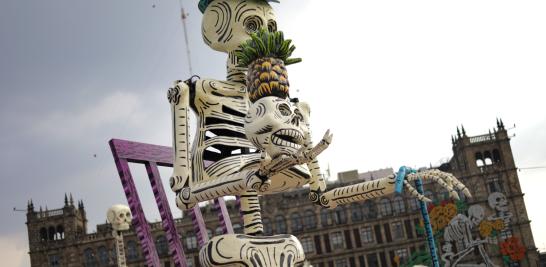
(52, 233)
(486, 165)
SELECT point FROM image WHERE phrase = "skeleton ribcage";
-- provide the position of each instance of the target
(220, 147)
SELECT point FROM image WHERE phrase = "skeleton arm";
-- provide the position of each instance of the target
(386, 185)
(179, 99)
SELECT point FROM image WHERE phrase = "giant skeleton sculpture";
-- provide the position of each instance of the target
(250, 148)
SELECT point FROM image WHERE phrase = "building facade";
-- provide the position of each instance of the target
(491, 228)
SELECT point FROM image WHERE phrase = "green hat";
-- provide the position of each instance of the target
(203, 4)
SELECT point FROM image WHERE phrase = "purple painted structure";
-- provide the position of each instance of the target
(153, 156)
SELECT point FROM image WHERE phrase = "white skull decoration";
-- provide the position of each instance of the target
(119, 216)
(275, 125)
(476, 214)
(498, 202)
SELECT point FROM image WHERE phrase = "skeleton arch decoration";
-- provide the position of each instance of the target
(250, 146)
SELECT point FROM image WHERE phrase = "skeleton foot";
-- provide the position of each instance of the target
(444, 179)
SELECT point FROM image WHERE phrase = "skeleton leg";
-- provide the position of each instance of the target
(251, 212)
(179, 98)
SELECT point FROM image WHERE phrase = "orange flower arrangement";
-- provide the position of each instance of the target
(487, 227)
(513, 248)
(441, 215)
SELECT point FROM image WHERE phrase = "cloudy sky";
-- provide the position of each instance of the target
(391, 79)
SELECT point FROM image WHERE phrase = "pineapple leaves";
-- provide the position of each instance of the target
(263, 44)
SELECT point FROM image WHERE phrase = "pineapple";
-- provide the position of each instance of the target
(266, 55)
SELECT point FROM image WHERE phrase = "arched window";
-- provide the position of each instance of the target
(295, 222)
(369, 209)
(385, 208)
(60, 232)
(398, 205)
(356, 212)
(89, 258)
(309, 219)
(103, 256)
(52, 232)
(496, 156)
(340, 215)
(479, 159)
(43, 234)
(161, 245)
(280, 224)
(268, 228)
(487, 158)
(325, 217)
(132, 251)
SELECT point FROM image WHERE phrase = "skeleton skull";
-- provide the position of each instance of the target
(275, 125)
(228, 23)
(119, 216)
(498, 202)
(476, 214)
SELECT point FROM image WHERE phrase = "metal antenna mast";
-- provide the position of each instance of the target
(183, 17)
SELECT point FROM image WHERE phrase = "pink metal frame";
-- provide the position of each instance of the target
(152, 156)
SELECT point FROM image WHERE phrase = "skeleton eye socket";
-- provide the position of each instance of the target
(285, 109)
(252, 24)
(298, 115)
(272, 26)
(128, 214)
(121, 215)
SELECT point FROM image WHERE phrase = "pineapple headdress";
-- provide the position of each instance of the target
(266, 54)
(203, 4)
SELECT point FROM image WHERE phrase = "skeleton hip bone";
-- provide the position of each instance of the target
(275, 125)
(120, 217)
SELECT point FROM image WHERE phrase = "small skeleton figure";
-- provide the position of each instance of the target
(499, 203)
(120, 218)
(250, 149)
(459, 231)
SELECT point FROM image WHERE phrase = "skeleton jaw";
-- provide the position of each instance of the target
(288, 138)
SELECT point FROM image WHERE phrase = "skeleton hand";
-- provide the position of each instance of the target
(269, 167)
(444, 179)
(305, 156)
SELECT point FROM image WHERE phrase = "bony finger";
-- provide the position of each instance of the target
(454, 195)
(425, 199)
(466, 192)
(411, 189)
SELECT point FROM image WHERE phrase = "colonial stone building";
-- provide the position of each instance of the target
(492, 227)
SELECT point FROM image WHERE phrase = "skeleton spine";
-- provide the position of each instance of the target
(120, 248)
